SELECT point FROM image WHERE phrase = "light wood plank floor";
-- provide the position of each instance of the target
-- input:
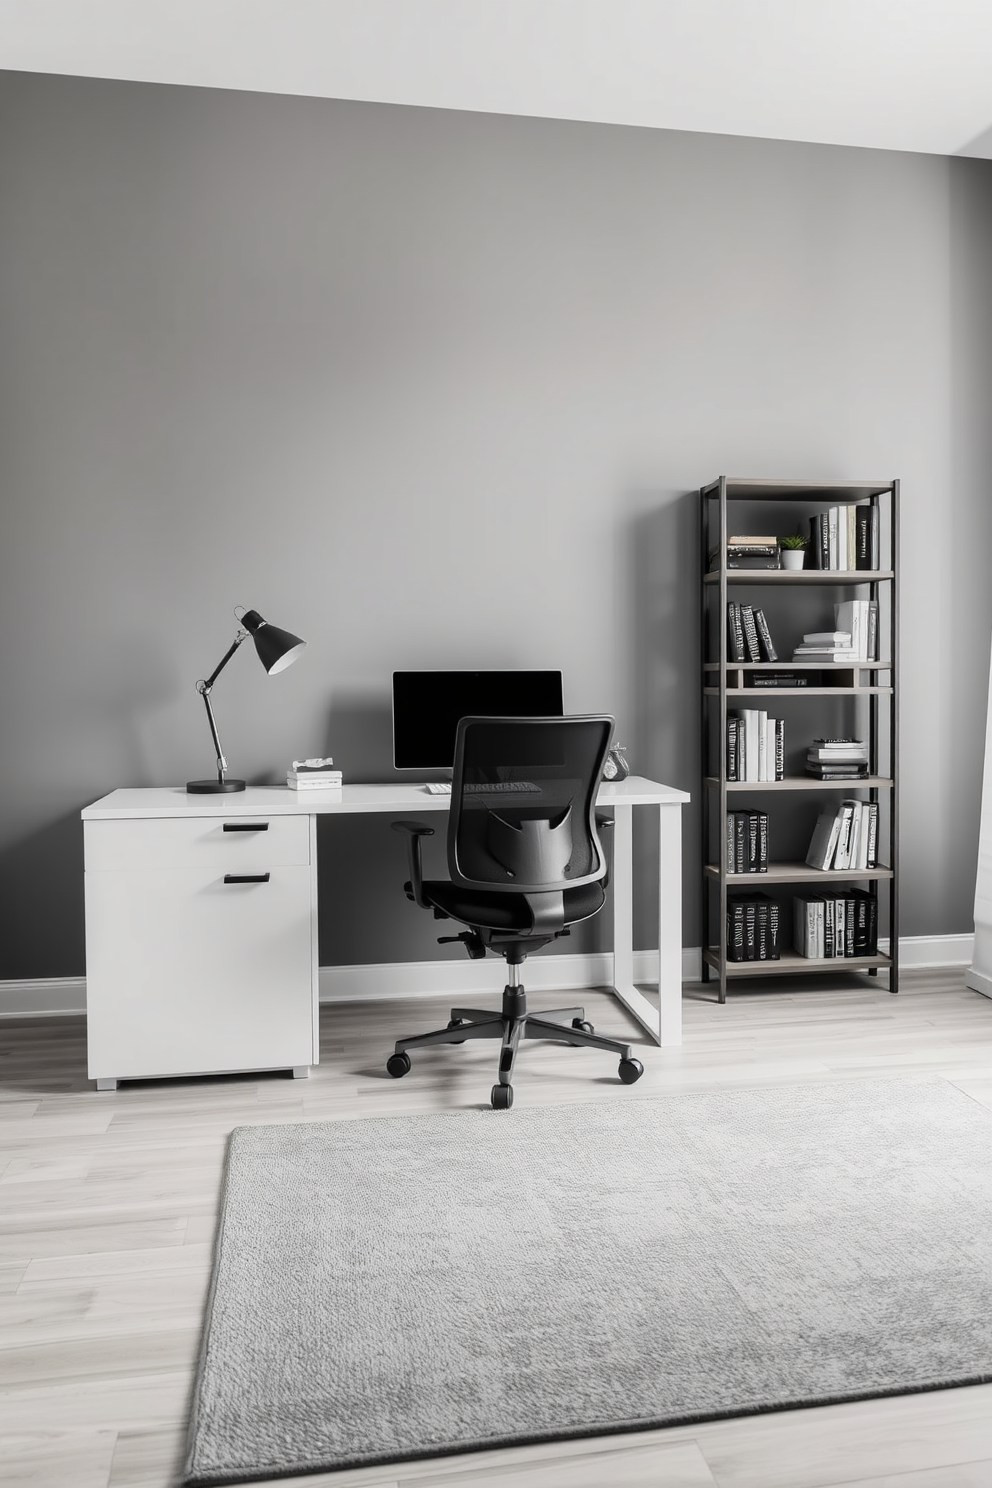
(108, 1201)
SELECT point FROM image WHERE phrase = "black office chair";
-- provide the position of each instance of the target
(526, 863)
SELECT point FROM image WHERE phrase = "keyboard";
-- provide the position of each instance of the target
(438, 788)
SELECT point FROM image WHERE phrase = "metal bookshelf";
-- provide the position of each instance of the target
(865, 695)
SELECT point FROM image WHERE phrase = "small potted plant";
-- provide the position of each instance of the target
(792, 550)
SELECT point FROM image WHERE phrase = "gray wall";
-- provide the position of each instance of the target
(436, 389)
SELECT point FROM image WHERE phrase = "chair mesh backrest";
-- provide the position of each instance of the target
(523, 802)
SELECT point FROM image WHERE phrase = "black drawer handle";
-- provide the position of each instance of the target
(246, 827)
(246, 878)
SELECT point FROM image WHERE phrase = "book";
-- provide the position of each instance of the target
(828, 638)
(842, 852)
(735, 632)
(780, 679)
(764, 636)
(750, 633)
(733, 752)
(866, 537)
(823, 842)
(314, 785)
(779, 748)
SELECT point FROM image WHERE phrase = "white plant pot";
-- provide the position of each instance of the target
(792, 557)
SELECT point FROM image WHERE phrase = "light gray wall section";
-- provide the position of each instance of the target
(436, 389)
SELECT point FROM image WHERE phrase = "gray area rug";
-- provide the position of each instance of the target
(413, 1286)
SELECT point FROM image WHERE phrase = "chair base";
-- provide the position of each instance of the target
(510, 1025)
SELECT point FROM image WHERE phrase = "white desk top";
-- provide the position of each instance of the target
(280, 800)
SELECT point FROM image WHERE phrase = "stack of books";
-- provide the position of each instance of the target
(746, 843)
(830, 925)
(748, 636)
(845, 537)
(837, 759)
(753, 927)
(824, 647)
(313, 774)
(745, 551)
(845, 837)
(858, 618)
(755, 746)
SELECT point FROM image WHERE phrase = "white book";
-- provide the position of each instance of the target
(750, 717)
(855, 834)
(828, 638)
(832, 538)
(820, 928)
(762, 731)
(863, 835)
(842, 859)
(842, 537)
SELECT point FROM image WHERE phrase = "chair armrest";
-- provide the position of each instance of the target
(414, 831)
(602, 820)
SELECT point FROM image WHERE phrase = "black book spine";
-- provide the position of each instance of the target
(752, 841)
(765, 636)
(750, 931)
(872, 849)
(761, 930)
(740, 841)
(762, 864)
(735, 931)
(735, 631)
(862, 533)
(780, 749)
(774, 929)
(813, 551)
(824, 541)
(750, 633)
(849, 927)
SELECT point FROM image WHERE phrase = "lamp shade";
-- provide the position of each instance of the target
(277, 649)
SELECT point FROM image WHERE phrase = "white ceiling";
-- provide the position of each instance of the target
(891, 74)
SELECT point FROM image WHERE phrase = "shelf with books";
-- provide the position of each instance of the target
(816, 647)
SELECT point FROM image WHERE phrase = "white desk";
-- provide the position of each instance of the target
(201, 922)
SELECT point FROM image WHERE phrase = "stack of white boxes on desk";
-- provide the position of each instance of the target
(313, 775)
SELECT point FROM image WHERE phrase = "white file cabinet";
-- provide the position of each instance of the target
(201, 944)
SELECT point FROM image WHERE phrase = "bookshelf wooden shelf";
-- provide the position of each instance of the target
(781, 576)
(842, 699)
(803, 783)
(789, 964)
(796, 872)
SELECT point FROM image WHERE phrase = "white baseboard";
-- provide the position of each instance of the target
(932, 950)
(43, 997)
(483, 978)
(54, 997)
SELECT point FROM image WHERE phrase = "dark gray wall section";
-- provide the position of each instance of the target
(435, 389)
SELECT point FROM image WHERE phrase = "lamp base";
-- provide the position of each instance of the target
(213, 787)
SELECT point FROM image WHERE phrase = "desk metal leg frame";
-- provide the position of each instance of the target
(664, 1024)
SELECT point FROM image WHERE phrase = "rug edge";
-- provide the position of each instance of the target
(626, 1428)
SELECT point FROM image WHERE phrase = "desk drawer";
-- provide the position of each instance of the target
(230, 844)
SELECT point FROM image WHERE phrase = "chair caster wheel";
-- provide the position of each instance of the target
(630, 1070)
(457, 1023)
(583, 1025)
(502, 1097)
(398, 1065)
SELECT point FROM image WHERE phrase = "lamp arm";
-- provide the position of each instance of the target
(204, 687)
(242, 635)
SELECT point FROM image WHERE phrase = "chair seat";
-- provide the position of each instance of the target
(507, 911)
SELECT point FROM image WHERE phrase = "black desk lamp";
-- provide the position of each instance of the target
(277, 649)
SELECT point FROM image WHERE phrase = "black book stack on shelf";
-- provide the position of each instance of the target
(802, 792)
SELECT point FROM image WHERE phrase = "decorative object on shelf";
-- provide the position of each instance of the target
(616, 766)
(792, 550)
(277, 649)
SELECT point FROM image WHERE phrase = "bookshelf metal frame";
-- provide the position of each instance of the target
(723, 679)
